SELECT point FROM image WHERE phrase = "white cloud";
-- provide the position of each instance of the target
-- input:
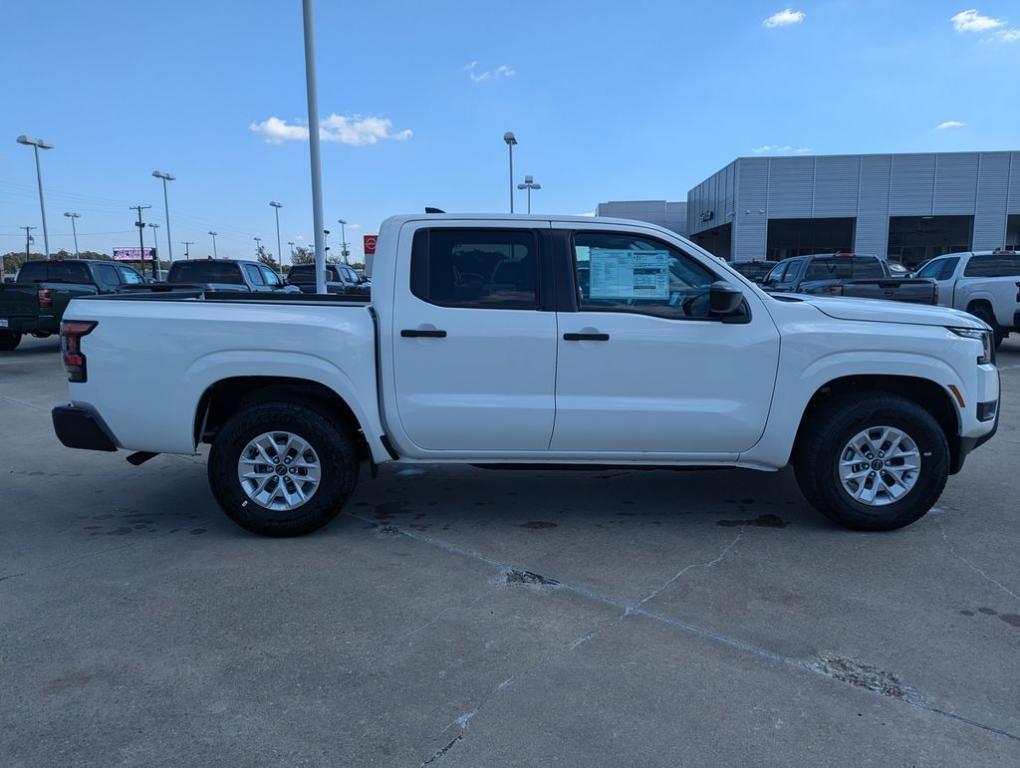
(353, 226)
(1008, 35)
(783, 18)
(489, 74)
(973, 21)
(768, 149)
(949, 124)
(355, 130)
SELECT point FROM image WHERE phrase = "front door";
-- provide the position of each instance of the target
(474, 353)
(644, 368)
(942, 271)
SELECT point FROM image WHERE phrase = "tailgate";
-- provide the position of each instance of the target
(18, 301)
(912, 289)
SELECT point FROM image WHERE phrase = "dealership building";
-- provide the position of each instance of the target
(908, 207)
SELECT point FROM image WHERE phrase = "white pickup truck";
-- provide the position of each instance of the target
(984, 283)
(564, 342)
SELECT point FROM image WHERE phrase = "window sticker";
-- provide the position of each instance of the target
(623, 274)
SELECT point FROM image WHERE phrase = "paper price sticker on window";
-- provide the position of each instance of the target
(621, 274)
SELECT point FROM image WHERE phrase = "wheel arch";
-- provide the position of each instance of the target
(226, 397)
(930, 395)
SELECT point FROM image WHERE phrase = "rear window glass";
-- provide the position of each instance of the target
(204, 272)
(844, 268)
(32, 272)
(998, 265)
(69, 272)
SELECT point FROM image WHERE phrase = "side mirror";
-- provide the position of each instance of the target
(724, 299)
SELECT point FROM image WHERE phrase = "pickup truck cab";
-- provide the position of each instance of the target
(984, 283)
(556, 341)
(847, 274)
(35, 300)
(230, 275)
(340, 278)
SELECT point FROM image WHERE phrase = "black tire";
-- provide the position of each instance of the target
(983, 312)
(9, 341)
(329, 438)
(824, 437)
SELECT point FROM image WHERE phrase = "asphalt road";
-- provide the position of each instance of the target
(458, 617)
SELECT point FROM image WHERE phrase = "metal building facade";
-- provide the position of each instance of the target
(873, 190)
(666, 214)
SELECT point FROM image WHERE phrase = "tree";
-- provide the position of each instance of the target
(265, 257)
(302, 255)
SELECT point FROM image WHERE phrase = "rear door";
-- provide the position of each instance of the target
(473, 350)
(642, 366)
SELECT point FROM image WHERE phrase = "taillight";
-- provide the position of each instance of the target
(45, 300)
(71, 332)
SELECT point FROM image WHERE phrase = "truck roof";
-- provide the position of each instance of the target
(519, 217)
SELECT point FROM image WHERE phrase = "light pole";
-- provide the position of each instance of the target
(279, 249)
(215, 255)
(313, 145)
(38, 144)
(155, 251)
(74, 231)
(343, 239)
(258, 246)
(187, 247)
(529, 184)
(291, 244)
(511, 140)
(166, 209)
(325, 246)
(141, 239)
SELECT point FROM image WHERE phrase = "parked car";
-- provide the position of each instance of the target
(35, 300)
(755, 270)
(482, 346)
(227, 275)
(847, 274)
(984, 283)
(340, 278)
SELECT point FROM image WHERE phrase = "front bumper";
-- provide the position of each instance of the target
(79, 426)
(968, 444)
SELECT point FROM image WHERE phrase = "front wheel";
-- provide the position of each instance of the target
(874, 462)
(9, 341)
(282, 469)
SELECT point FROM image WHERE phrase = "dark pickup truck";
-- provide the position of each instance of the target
(35, 301)
(848, 274)
(340, 278)
(225, 275)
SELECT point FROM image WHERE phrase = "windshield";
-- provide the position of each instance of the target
(844, 268)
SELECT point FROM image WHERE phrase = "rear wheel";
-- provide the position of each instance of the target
(873, 462)
(9, 340)
(282, 469)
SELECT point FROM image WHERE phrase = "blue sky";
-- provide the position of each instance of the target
(609, 100)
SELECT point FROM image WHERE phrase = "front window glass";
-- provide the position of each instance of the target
(625, 273)
(129, 276)
(270, 277)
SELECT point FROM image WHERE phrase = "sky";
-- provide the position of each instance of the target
(634, 99)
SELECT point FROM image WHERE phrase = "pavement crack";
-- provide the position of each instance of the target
(970, 564)
(440, 752)
(710, 564)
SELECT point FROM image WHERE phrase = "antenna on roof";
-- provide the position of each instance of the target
(433, 210)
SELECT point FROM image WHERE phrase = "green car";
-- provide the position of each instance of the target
(35, 301)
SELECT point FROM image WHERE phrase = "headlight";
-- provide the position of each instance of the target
(985, 337)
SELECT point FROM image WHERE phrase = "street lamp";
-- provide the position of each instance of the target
(291, 244)
(215, 256)
(38, 144)
(511, 140)
(279, 250)
(166, 209)
(258, 246)
(529, 184)
(343, 239)
(74, 231)
(155, 250)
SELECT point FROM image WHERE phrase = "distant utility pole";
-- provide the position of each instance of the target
(141, 238)
(187, 247)
(74, 231)
(28, 241)
(38, 144)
